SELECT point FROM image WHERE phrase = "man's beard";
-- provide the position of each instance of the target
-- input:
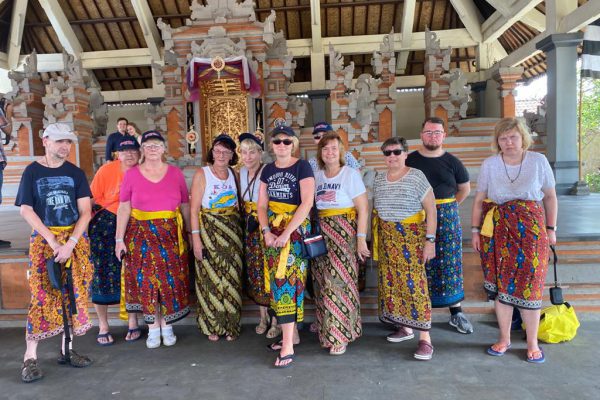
(432, 147)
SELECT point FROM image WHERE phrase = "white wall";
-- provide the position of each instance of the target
(410, 113)
(133, 113)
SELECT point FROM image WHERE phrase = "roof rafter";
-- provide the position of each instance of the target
(408, 20)
(15, 38)
(149, 28)
(317, 51)
(97, 59)
(61, 26)
(497, 23)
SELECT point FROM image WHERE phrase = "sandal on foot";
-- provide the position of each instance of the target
(337, 350)
(230, 338)
(497, 353)
(313, 328)
(133, 335)
(273, 332)
(262, 327)
(75, 360)
(531, 357)
(31, 371)
(109, 339)
(284, 358)
(275, 346)
(213, 338)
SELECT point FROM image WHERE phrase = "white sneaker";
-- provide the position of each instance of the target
(153, 341)
(168, 337)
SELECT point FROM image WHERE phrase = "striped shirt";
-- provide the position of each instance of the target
(395, 201)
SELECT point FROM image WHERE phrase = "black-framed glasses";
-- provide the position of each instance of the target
(286, 142)
(433, 133)
(395, 152)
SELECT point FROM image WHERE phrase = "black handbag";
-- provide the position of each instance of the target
(556, 295)
(313, 244)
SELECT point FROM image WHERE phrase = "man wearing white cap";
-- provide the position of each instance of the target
(54, 197)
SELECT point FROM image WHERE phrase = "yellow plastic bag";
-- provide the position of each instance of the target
(558, 323)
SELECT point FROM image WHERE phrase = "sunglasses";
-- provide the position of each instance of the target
(286, 142)
(317, 137)
(395, 152)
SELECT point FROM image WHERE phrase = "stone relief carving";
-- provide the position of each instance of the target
(53, 100)
(98, 111)
(536, 121)
(30, 67)
(166, 33)
(219, 11)
(278, 48)
(156, 117)
(218, 44)
(433, 50)
(365, 95)
(296, 110)
(336, 65)
(74, 69)
(269, 28)
(385, 53)
(459, 90)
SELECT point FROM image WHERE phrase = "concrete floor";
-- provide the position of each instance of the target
(372, 368)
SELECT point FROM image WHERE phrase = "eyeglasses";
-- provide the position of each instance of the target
(433, 133)
(395, 152)
(222, 152)
(153, 146)
(317, 137)
(286, 142)
(511, 138)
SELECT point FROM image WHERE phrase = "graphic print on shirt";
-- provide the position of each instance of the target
(56, 193)
(282, 185)
(326, 192)
(222, 195)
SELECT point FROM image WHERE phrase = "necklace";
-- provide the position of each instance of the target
(520, 166)
(214, 171)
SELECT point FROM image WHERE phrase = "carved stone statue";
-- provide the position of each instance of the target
(219, 11)
(459, 90)
(536, 122)
(99, 112)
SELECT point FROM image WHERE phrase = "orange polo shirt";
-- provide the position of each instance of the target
(107, 184)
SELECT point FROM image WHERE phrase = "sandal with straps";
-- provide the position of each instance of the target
(75, 360)
(31, 371)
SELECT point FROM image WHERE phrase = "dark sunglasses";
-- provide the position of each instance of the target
(395, 152)
(317, 137)
(287, 142)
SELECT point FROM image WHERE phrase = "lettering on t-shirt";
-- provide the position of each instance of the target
(222, 195)
(57, 193)
(326, 192)
(282, 185)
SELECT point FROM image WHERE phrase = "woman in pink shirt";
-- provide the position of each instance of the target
(154, 203)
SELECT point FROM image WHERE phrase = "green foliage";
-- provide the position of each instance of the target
(593, 181)
(590, 129)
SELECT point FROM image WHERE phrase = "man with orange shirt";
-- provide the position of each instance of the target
(106, 285)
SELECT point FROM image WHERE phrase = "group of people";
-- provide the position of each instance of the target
(143, 223)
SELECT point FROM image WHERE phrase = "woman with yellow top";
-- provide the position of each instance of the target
(404, 240)
(341, 199)
(154, 203)
(287, 190)
(217, 240)
(251, 150)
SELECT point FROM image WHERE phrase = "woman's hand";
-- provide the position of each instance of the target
(551, 237)
(362, 249)
(119, 250)
(428, 251)
(198, 248)
(282, 239)
(476, 241)
(269, 239)
(64, 252)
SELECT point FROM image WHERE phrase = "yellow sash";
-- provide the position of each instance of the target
(250, 207)
(445, 201)
(220, 211)
(283, 215)
(416, 218)
(150, 215)
(57, 230)
(487, 228)
(330, 212)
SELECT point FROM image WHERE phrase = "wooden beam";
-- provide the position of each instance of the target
(115, 96)
(497, 23)
(96, 59)
(581, 17)
(470, 17)
(61, 26)
(16, 32)
(408, 19)
(317, 51)
(149, 29)
(535, 19)
(556, 10)
(400, 82)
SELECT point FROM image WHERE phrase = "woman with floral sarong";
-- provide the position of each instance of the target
(251, 151)
(404, 240)
(341, 198)
(217, 240)
(154, 203)
(512, 230)
(287, 190)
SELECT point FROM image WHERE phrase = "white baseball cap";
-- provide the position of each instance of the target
(59, 131)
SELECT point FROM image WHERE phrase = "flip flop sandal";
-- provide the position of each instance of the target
(337, 350)
(76, 360)
(538, 360)
(110, 340)
(284, 358)
(31, 371)
(497, 353)
(130, 332)
(273, 332)
(275, 346)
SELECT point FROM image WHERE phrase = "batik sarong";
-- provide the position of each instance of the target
(255, 262)
(286, 266)
(156, 266)
(515, 257)
(444, 272)
(336, 280)
(219, 274)
(106, 284)
(44, 317)
(403, 292)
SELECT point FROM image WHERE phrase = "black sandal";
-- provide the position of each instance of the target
(275, 346)
(76, 360)
(31, 371)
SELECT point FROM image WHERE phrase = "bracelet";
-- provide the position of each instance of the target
(118, 240)
(363, 235)
(195, 231)
(475, 227)
(475, 230)
(74, 239)
(265, 229)
(550, 227)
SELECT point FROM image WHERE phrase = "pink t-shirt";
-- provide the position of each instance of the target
(165, 195)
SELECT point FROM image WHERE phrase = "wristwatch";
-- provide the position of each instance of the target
(430, 238)
(265, 230)
(552, 228)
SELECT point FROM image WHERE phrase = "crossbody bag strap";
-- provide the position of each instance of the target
(237, 190)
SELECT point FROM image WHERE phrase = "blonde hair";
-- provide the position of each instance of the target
(508, 124)
(325, 139)
(249, 144)
(163, 156)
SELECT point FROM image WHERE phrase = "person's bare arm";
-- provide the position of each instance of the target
(123, 214)
(551, 208)
(476, 218)
(198, 187)
(84, 207)
(463, 191)
(428, 204)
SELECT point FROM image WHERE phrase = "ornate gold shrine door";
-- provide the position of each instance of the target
(224, 109)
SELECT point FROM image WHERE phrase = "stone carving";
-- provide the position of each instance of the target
(434, 52)
(364, 96)
(219, 11)
(459, 90)
(74, 69)
(278, 48)
(55, 110)
(30, 67)
(536, 121)
(157, 71)
(156, 117)
(218, 44)
(166, 33)
(336, 65)
(269, 28)
(296, 111)
(98, 111)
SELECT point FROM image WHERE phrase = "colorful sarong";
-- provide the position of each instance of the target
(44, 318)
(156, 272)
(255, 263)
(219, 275)
(287, 275)
(515, 258)
(336, 280)
(444, 272)
(403, 292)
(106, 285)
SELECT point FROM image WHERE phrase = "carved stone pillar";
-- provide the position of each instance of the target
(507, 82)
(384, 65)
(343, 104)
(278, 69)
(437, 89)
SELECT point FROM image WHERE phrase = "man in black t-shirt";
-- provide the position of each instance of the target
(113, 140)
(450, 181)
(54, 197)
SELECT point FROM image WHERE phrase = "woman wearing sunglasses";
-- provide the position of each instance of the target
(404, 226)
(286, 195)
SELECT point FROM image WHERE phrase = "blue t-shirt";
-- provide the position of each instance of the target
(283, 184)
(53, 192)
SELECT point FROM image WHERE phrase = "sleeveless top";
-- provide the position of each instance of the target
(219, 193)
(254, 189)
